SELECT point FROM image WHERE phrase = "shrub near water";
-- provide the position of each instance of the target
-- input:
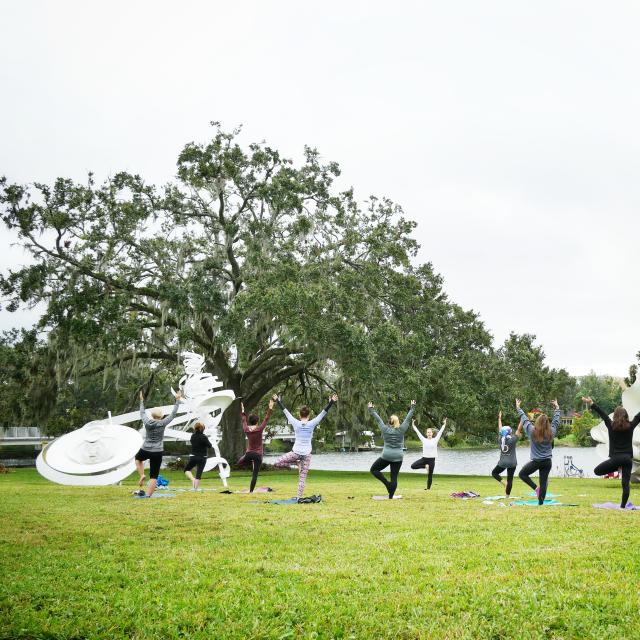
(96, 563)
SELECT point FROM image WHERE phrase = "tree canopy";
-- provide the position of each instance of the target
(284, 282)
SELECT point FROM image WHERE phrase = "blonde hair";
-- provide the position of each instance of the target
(157, 415)
(394, 421)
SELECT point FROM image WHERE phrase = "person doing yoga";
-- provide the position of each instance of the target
(541, 437)
(255, 449)
(303, 429)
(199, 447)
(620, 445)
(508, 460)
(393, 450)
(153, 447)
(429, 450)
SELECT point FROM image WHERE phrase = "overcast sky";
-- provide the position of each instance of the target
(507, 130)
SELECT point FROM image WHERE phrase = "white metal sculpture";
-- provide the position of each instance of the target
(101, 452)
(204, 405)
(631, 402)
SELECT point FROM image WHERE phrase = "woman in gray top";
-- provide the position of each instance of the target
(508, 459)
(541, 436)
(393, 451)
(153, 445)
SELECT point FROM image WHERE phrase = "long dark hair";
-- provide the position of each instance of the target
(620, 420)
(542, 429)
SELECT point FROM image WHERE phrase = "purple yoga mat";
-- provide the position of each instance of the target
(616, 505)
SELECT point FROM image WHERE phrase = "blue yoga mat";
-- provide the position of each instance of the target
(549, 495)
(288, 501)
(547, 503)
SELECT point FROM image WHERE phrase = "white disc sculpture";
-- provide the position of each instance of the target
(631, 402)
(102, 452)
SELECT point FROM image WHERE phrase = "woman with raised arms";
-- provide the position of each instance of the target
(508, 460)
(393, 451)
(429, 450)
(620, 445)
(541, 436)
(303, 429)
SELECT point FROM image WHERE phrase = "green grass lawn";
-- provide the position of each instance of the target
(97, 563)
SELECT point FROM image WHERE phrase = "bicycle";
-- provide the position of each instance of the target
(570, 469)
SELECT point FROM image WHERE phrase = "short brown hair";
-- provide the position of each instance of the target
(304, 411)
(198, 426)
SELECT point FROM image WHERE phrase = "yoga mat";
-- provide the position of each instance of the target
(257, 490)
(616, 505)
(547, 503)
(385, 497)
(502, 498)
(288, 501)
(156, 495)
(549, 495)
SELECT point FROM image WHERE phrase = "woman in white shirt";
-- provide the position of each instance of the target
(429, 450)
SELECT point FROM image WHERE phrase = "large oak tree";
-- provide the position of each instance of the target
(282, 280)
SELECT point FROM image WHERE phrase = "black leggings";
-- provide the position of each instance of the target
(622, 462)
(544, 466)
(155, 461)
(497, 470)
(198, 462)
(256, 460)
(381, 464)
(421, 463)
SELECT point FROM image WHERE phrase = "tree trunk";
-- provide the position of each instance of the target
(232, 445)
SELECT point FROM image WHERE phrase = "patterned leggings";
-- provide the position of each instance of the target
(294, 458)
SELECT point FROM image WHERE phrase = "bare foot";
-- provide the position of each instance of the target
(142, 479)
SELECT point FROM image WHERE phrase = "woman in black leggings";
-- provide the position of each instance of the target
(199, 448)
(541, 437)
(620, 445)
(508, 459)
(393, 451)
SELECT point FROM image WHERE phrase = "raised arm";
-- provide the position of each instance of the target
(519, 429)
(376, 417)
(407, 421)
(555, 422)
(413, 424)
(243, 418)
(143, 415)
(636, 421)
(526, 423)
(267, 415)
(596, 409)
(165, 421)
(287, 414)
(320, 417)
(499, 421)
(441, 431)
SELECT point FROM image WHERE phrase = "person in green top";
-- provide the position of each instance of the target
(393, 451)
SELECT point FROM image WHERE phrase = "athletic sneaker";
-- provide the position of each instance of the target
(139, 493)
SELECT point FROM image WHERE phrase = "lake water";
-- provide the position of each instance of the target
(462, 462)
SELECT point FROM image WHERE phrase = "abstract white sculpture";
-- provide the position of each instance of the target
(101, 453)
(631, 402)
(98, 454)
(203, 404)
